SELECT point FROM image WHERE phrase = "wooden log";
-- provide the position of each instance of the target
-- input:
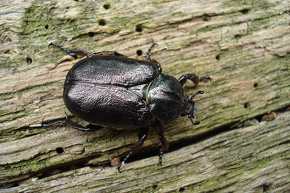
(250, 159)
(242, 45)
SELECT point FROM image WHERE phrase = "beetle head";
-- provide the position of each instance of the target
(190, 107)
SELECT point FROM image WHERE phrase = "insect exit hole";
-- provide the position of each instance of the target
(59, 150)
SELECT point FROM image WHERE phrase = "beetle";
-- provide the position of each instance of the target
(109, 89)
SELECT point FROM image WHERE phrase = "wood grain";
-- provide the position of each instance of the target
(242, 45)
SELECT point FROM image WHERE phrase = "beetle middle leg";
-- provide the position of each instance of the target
(182, 80)
(142, 137)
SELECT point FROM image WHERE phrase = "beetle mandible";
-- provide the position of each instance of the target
(109, 89)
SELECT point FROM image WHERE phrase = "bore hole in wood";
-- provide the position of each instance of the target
(91, 34)
(181, 189)
(256, 85)
(246, 105)
(139, 28)
(139, 52)
(29, 60)
(59, 150)
(237, 36)
(245, 11)
(205, 17)
(107, 6)
(217, 57)
(266, 188)
(102, 22)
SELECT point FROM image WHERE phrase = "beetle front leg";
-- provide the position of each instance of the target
(182, 80)
(142, 137)
(164, 142)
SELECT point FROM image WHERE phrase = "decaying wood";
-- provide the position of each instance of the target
(243, 45)
(251, 159)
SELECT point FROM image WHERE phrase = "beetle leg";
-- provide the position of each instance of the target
(148, 52)
(153, 61)
(72, 53)
(182, 80)
(142, 138)
(164, 142)
(69, 123)
(106, 53)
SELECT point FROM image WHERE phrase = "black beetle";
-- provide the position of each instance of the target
(109, 89)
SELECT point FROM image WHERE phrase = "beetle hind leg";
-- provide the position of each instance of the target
(142, 137)
(72, 53)
(153, 61)
(70, 123)
(106, 53)
(148, 52)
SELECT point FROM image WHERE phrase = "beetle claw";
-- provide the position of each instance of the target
(196, 122)
(65, 115)
(119, 166)
(205, 78)
(42, 124)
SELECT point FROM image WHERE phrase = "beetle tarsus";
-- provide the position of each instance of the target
(164, 142)
(182, 80)
(72, 53)
(106, 53)
(160, 157)
(137, 146)
(158, 66)
(149, 50)
(66, 122)
(192, 115)
(205, 78)
(119, 166)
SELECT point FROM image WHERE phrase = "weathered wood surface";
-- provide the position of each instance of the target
(243, 45)
(250, 159)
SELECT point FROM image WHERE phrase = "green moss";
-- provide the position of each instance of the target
(203, 29)
(263, 4)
